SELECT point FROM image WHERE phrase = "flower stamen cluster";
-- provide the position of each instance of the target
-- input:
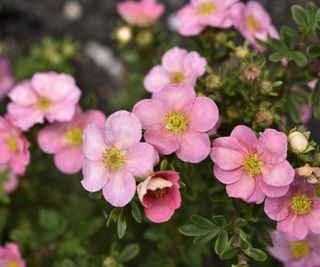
(301, 204)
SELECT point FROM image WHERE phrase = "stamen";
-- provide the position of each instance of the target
(301, 205)
(253, 24)
(74, 136)
(177, 77)
(252, 164)
(12, 144)
(299, 250)
(206, 9)
(113, 158)
(176, 122)
(157, 193)
(43, 103)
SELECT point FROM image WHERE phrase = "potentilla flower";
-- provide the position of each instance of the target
(159, 194)
(141, 13)
(10, 256)
(253, 168)
(253, 22)
(114, 155)
(199, 14)
(304, 253)
(178, 67)
(47, 95)
(64, 139)
(6, 79)
(12, 180)
(176, 120)
(13, 147)
(297, 212)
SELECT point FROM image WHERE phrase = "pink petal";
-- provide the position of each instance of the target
(160, 210)
(123, 129)
(120, 188)
(258, 195)
(23, 94)
(227, 177)
(95, 175)
(227, 159)
(243, 189)
(61, 111)
(163, 140)
(231, 143)
(94, 116)
(312, 220)
(194, 147)
(151, 114)
(204, 114)
(69, 160)
(94, 142)
(277, 208)
(43, 83)
(293, 227)
(139, 159)
(157, 79)
(195, 64)
(281, 174)
(173, 59)
(188, 21)
(5, 153)
(52, 138)
(281, 248)
(65, 87)
(245, 136)
(269, 190)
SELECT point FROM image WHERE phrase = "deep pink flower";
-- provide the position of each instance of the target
(177, 67)
(13, 147)
(176, 120)
(253, 168)
(114, 155)
(6, 79)
(141, 13)
(12, 181)
(304, 253)
(198, 14)
(64, 139)
(160, 196)
(253, 22)
(297, 212)
(48, 95)
(10, 256)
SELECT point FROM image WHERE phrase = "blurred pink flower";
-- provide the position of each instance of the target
(198, 14)
(160, 196)
(141, 13)
(13, 147)
(178, 67)
(176, 120)
(47, 95)
(306, 113)
(304, 253)
(12, 181)
(297, 212)
(64, 139)
(253, 22)
(10, 256)
(253, 168)
(6, 78)
(114, 155)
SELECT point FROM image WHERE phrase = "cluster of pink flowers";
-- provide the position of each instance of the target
(10, 256)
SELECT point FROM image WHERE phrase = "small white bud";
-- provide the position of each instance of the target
(124, 34)
(298, 142)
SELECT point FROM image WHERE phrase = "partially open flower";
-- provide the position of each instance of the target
(312, 174)
(10, 256)
(298, 142)
(252, 73)
(160, 196)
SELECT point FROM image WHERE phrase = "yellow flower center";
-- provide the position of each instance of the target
(112, 158)
(13, 263)
(206, 9)
(177, 77)
(176, 122)
(253, 24)
(43, 103)
(12, 144)
(301, 205)
(157, 193)
(74, 136)
(299, 250)
(252, 164)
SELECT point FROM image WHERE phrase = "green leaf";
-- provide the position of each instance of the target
(222, 242)
(129, 253)
(202, 222)
(256, 254)
(277, 56)
(192, 230)
(229, 253)
(315, 101)
(164, 165)
(205, 238)
(121, 226)
(136, 212)
(313, 51)
(299, 58)
(299, 15)
(219, 220)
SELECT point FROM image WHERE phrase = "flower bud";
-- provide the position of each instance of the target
(264, 118)
(252, 73)
(123, 34)
(266, 87)
(213, 81)
(298, 142)
(109, 262)
(241, 52)
(144, 38)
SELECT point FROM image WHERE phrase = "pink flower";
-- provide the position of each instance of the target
(12, 181)
(48, 95)
(176, 120)
(178, 67)
(141, 13)
(160, 196)
(253, 168)
(6, 79)
(304, 253)
(198, 14)
(10, 256)
(64, 140)
(114, 155)
(13, 147)
(306, 113)
(253, 22)
(297, 212)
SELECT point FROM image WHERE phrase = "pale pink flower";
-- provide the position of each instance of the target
(253, 22)
(6, 78)
(253, 168)
(64, 139)
(199, 14)
(114, 155)
(47, 95)
(12, 181)
(13, 147)
(10, 256)
(178, 67)
(141, 13)
(304, 253)
(297, 212)
(176, 120)
(159, 194)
